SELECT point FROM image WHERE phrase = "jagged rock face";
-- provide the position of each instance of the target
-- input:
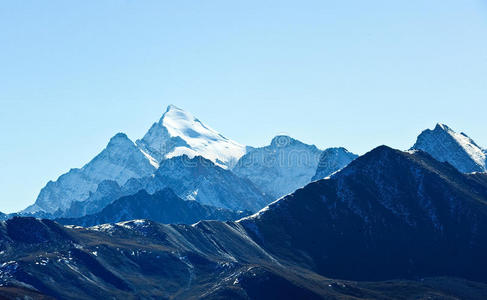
(280, 168)
(106, 192)
(199, 179)
(119, 161)
(163, 207)
(388, 214)
(458, 149)
(332, 160)
(178, 132)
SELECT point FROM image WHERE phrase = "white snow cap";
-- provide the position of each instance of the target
(444, 144)
(473, 150)
(178, 132)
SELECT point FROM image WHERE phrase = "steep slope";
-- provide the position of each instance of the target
(179, 132)
(280, 168)
(458, 149)
(119, 161)
(201, 180)
(388, 214)
(163, 206)
(106, 192)
(332, 160)
(145, 260)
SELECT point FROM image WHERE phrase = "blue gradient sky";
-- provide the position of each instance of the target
(351, 73)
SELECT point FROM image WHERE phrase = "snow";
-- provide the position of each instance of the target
(103, 227)
(470, 147)
(120, 161)
(179, 132)
(151, 159)
(281, 167)
(444, 144)
(261, 212)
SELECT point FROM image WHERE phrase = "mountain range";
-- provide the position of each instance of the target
(198, 163)
(185, 213)
(163, 206)
(413, 225)
(120, 161)
(195, 161)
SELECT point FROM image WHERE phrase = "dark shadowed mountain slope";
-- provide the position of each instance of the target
(389, 214)
(145, 260)
(163, 207)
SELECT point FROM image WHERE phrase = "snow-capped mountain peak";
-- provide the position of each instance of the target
(444, 144)
(119, 161)
(178, 132)
(281, 167)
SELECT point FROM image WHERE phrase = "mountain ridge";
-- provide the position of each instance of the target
(444, 144)
(164, 206)
(389, 214)
(280, 167)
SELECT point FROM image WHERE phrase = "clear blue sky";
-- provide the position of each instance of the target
(334, 73)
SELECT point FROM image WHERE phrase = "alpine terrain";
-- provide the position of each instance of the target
(332, 160)
(412, 224)
(89, 189)
(458, 149)
(163, 206)
(280, 168)
(179, 132)
(119, 161)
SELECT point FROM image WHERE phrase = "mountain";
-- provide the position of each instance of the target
(201, 180)
(388, 214)
(119, 161)
(106, 192)
(179, 132)
(192, 178)
(458, 149)
(280, 168)
(163, 206)
(208, 260)
(332, 160)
